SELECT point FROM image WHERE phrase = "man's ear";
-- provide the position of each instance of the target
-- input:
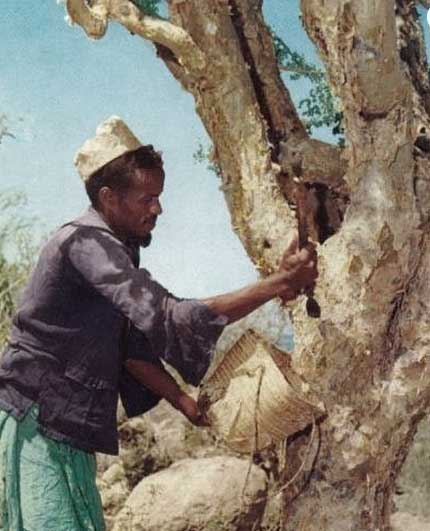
(106, 197)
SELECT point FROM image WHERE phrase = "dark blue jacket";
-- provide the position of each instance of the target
(86, 307)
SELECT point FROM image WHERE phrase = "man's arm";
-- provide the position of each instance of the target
(160, 382)
(241, 302)
(298, 270)
(183, 332)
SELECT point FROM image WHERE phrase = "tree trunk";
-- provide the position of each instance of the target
(368, 354)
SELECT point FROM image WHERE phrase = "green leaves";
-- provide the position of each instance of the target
(149, 7)
(319, 108)
(204, 154)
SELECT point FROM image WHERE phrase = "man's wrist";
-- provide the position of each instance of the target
(177, 402)
(280, 282)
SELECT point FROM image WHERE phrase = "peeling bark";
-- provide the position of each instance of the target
(232, 107)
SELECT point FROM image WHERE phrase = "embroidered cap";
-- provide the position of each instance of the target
(113, 139)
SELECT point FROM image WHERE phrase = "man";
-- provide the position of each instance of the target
(90, 325)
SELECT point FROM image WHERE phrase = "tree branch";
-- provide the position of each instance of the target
(172, 63)
(316, 162)
(257, 47)
(159, 31)
(320, 163)
(94, 21)
(357, 40)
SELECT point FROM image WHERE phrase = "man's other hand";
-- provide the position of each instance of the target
(189, 407)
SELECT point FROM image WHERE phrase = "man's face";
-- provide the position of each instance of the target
(133, 213)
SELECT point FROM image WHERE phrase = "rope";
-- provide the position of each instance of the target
(283, 444)
(299, 470)
(255, 446)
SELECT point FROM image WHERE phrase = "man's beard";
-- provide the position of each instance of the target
(144, 241)
(139, 241)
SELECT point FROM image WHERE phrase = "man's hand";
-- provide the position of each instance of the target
(160, 382)
(288, 295)
(297, 272)
(189, 407)
(300, 267)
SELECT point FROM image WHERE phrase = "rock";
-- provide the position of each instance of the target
(177, 438)
(114, 489)
(105, 461)
(139, 456)
(139, 453)
(199, 494)
(148, 444)
(408, 522)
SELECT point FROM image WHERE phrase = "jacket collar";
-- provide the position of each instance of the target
(92, 218)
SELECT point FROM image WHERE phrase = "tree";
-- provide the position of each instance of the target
(4, 127)
(368, 204)
(319, 107)
(17, 252)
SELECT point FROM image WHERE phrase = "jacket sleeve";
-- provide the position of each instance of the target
(183, 332)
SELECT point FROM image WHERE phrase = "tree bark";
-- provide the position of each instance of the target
(368, 355)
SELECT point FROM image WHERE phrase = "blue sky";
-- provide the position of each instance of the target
(57, 85)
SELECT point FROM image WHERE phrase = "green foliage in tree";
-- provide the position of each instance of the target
(319, 107)
(149, 7)
(17, 252)
(203, 154)
(4, 127)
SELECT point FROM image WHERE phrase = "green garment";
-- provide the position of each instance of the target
(45, 485)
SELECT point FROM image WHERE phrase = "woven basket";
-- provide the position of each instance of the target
(254, 398)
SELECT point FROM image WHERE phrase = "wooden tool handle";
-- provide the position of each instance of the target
(312, 307)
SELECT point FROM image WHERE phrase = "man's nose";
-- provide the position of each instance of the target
(156, 208)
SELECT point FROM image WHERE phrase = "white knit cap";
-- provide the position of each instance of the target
(113, 138)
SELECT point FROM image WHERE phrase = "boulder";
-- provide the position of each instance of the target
(401, 521)
(212, 493)
(177, 438)
(139, 456)
(139, 452)
(114, 490)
